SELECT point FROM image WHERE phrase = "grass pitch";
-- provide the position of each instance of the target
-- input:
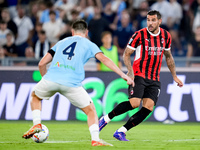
(75, 135)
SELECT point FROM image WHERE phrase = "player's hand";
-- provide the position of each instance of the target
(129, 80)
(130, 74)
(178, 81)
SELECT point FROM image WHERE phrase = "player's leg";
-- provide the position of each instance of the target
(92, 120)
(138, 117)
(135, 92)
(43, 90)
(134, 120)
(150, 97)
(36, 108)
(36, 111)
(80, 98)
(118, 110)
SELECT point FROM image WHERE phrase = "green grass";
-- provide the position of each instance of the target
(75, 135)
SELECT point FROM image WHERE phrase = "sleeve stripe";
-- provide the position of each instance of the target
(131, 47)
(52, 52)
(167, 49)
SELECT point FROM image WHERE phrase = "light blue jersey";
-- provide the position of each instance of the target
(67, 66)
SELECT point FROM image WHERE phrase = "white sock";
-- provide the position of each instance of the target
(106, 118)
(36, 116)
(122, 129)
(94, 131)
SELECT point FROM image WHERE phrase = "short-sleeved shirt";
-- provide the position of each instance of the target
(67, 66)
(149, 49)
(24, 25)
(11, 49)
(196, 47)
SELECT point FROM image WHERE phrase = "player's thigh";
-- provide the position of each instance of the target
(44, 89)
(152, 92)
(77, 96)
(136, 93)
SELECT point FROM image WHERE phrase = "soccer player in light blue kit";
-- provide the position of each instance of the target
(65, 75)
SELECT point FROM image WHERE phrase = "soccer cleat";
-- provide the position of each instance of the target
(34, 129)
(100, 143)
(102, 123)
(121, 136)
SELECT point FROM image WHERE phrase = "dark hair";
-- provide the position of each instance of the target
(105, 33)
(2, 22)
(79, 25)
(42, 32)
(39, 24)
(52, 12)
(49, 4)
(154, 12)
(9, 33)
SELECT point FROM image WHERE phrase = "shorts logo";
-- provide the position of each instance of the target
(132, 92)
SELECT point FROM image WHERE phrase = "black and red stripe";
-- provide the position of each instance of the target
(151, 52)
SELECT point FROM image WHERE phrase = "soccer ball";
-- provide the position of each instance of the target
(42, 136)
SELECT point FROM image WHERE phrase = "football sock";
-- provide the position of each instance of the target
(122, 129)
(94, 131)
(120, 109)
(137, 118)
(36, 116)
(106, 118)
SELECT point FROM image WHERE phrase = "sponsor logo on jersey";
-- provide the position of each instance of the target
(64, 66)
(162, 40)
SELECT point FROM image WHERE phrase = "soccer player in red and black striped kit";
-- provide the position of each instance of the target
(150, 44)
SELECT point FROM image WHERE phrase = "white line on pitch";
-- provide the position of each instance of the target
(178, 140)
(183, 140)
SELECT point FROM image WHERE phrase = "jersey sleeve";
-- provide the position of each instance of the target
(168, 45)
(54, 48)
(134, 41)
(94, 50)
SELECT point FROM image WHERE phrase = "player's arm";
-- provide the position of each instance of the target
(43, 63)
(127, 61)
(110, 64)
(98, 63)
(171, 66)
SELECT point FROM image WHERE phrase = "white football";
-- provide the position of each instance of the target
(42, 136)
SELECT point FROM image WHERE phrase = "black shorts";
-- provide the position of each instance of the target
(145, 88)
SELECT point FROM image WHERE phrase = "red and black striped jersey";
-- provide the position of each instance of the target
(149, 49)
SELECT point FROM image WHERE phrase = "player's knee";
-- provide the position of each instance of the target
(149, 104)
(89, 110)
(135, 102)
(33, 94)
(34, 97)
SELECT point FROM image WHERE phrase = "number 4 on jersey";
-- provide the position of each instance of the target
(70, 50)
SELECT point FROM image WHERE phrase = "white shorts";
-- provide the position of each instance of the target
(76, 95)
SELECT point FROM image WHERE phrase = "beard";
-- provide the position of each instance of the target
(152, 29)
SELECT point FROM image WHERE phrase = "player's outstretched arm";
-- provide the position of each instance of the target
(171, 66)
(127, 61)
(110, 64)
(43, 63)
